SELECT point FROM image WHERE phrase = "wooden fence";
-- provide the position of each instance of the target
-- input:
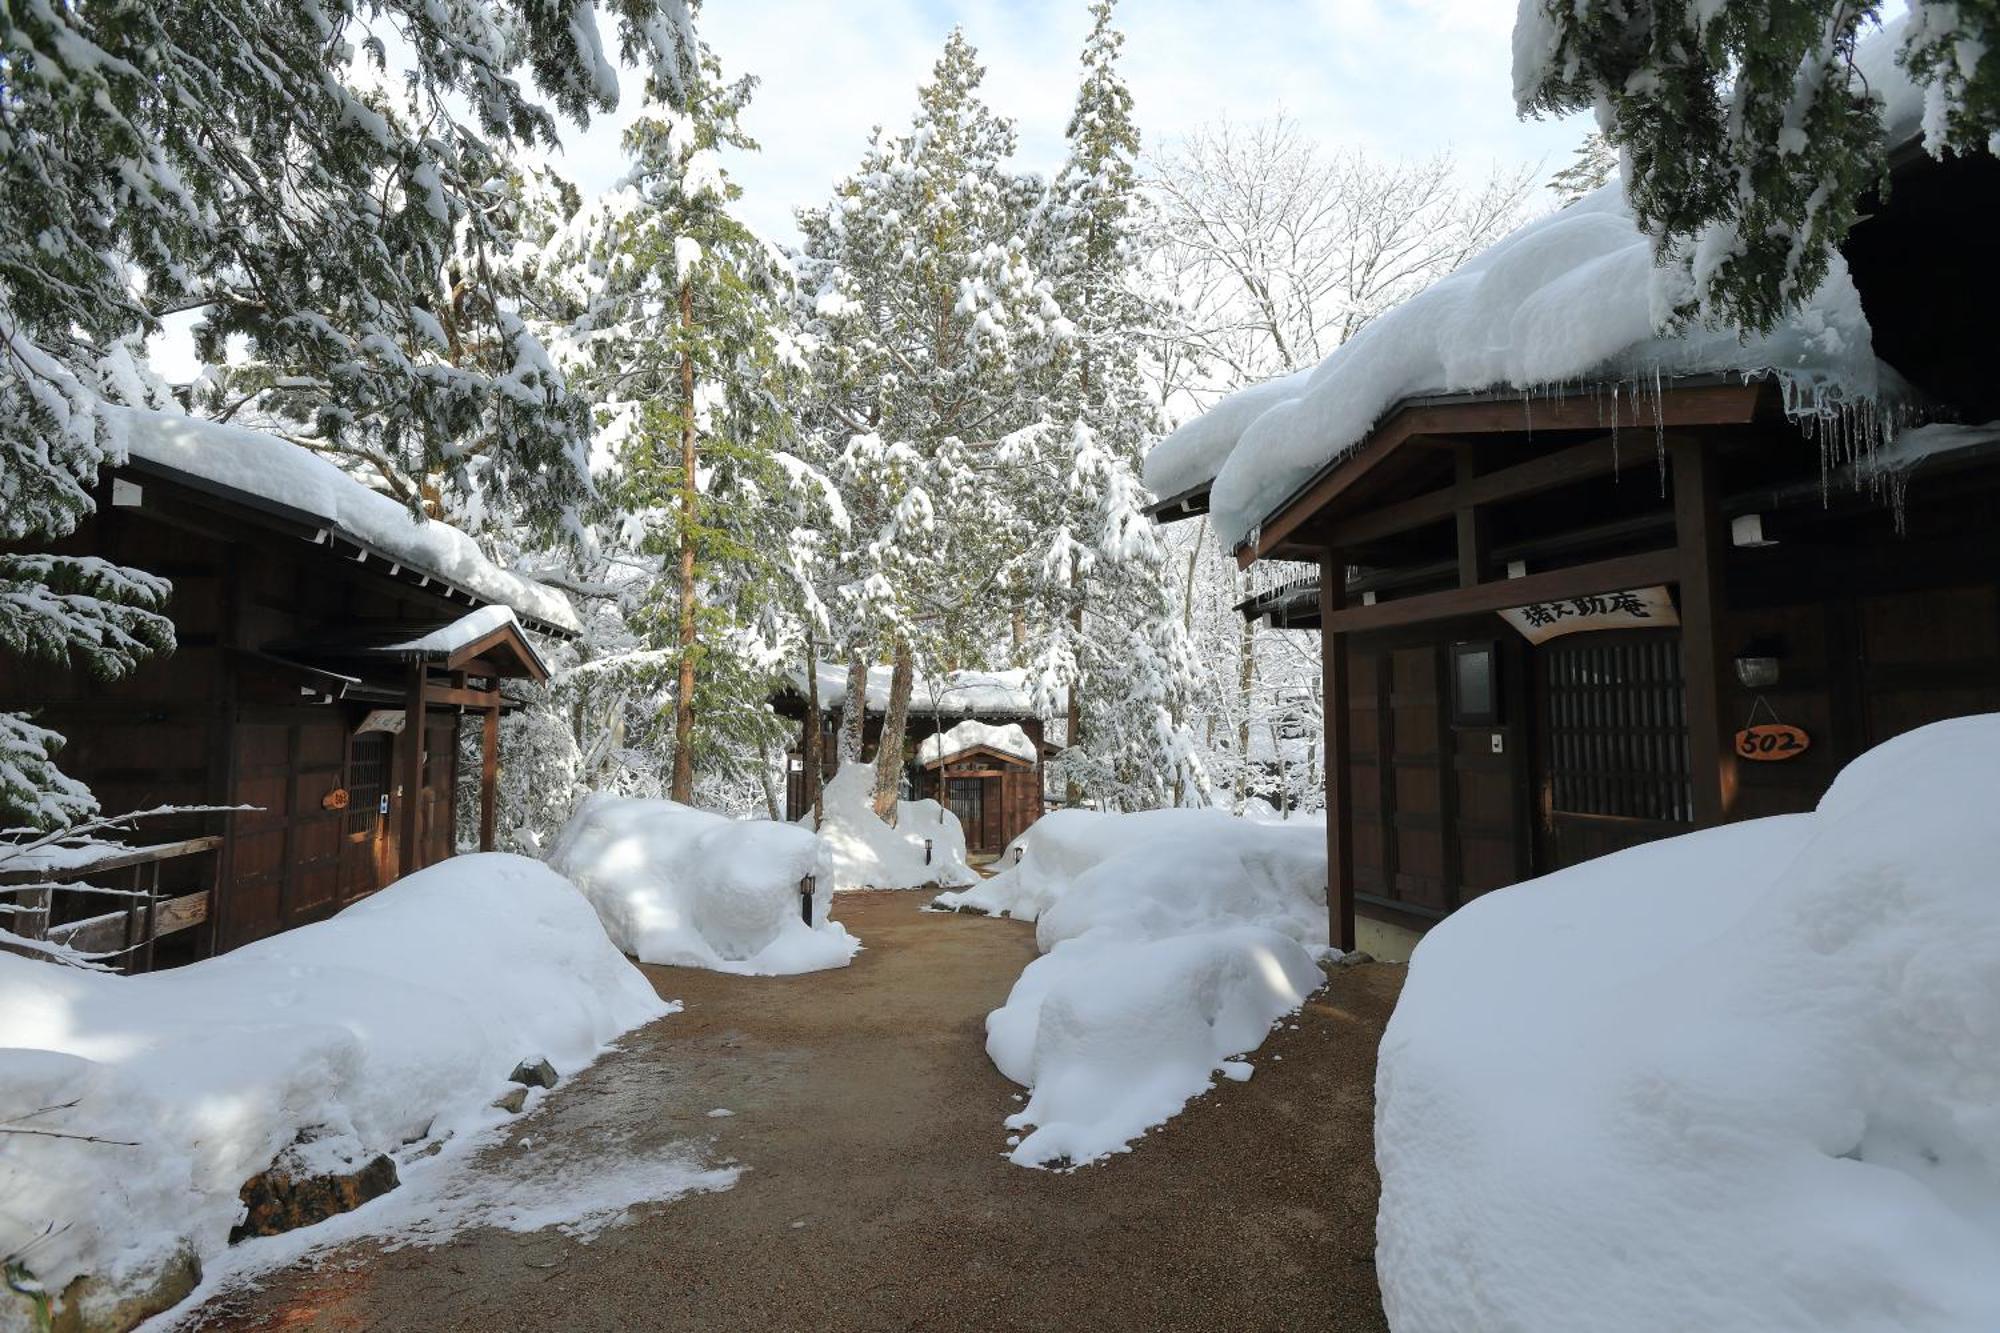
(123, 938)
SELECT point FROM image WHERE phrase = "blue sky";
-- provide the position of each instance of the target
(1401, 77)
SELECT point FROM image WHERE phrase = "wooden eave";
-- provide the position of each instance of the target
(1363, 475)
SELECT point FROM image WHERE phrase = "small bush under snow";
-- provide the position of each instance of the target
(686, 888)
(1173, 940)
(860, 851)
(399, 1018)
(1746, 1078)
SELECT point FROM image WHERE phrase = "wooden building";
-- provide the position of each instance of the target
(996, 792)
(1552, 629)
(325, 664)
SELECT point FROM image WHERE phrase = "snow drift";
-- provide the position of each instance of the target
(1745, 1078)
(859, 851)
(397, 1020)
(686, 888)
(1008, 738)
(1172, 940)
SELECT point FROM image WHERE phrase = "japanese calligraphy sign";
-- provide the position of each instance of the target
(1640, 608)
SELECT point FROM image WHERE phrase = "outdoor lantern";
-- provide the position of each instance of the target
(1017, 854)
(927, 851)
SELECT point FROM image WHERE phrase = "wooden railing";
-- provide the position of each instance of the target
(123, 938)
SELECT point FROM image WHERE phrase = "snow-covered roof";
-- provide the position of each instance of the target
(973, 734)
(269, 470)
(467, 630)
(1571, 298)
(955, 693)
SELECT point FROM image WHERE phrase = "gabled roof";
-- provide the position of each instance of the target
(490, 637)
(297, 490)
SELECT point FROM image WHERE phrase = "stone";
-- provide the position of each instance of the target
(88, 1305)
(536, 1073)
(302, 1187)
(1354, 959)
(512, 1100)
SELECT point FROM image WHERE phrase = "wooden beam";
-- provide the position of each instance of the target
(1699, 534)
(1614, 575)
(411, 789)
(489, 778)
(1339, 753)
(1470, 520)
(460, 697)
(1695, 405)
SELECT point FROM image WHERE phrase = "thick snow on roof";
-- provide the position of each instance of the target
(1569, 297)
(1573, 297)
(956, 693)
(970, 735)
(276, 470)
(468, 629)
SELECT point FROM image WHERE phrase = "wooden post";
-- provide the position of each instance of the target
(489, 779)
(1698, 532)
(409, 857)
(1339, 767)
(1471, 520)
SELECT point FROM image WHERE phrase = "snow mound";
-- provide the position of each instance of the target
(859, 851)
(970, 734)
(1570, 297)
(686, 888)
(1172, 940)
(399, 1018)
(1745, 1078)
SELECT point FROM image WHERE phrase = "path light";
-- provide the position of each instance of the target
(1017, 854)
(927, 851)
(806, 888)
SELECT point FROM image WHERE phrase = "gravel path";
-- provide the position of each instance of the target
(875, 1195)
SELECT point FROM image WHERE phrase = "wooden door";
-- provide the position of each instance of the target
(364, 835)
(437, 821)
(284, 856)
(1613, 755)
(967, 799)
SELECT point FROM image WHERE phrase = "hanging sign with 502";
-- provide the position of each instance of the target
(1772, 742)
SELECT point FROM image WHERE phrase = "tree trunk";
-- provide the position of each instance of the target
(770, 782)
(854, 709)
(1073, 722)
(682, 789)
(810, 758)
(889, 749)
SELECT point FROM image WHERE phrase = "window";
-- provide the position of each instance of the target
(1617, 726)
(1475, 687)
(367, 769)
(968, 802)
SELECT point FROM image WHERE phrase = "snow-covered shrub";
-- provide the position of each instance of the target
(1172, 940)
(399, 1018)
(684, 887)
(1745, 1078)
(859, 851)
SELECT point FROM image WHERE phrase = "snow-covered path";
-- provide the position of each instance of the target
(875, 1191)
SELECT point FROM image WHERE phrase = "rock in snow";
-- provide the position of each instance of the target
(683, 887)
(403, 1012)
(1746, 1078)
(1172, 940)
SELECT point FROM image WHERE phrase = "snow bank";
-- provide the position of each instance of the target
(1172, 940)
(273, 469)
(859, 851)
(687, 888)
(1745, 1078)
(1569, 297)
(954, 694)
(971, 734)
(398, 1019)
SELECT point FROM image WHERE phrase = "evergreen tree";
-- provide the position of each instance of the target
(238, 158)
(1589, 168)
(1748, 135)
(929, 326)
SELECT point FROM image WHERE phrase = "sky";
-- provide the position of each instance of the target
(1398, 77)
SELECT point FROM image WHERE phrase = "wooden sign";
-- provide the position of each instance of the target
(1638, 608)
(334, 800)
(1772, 742)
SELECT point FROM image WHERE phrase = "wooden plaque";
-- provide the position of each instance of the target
(1772, 742)
(334, 800)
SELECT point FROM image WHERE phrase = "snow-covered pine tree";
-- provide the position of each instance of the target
(1748, 136)
(1590, 166)
(1109, 638)
(929, 323)
(240, 158)
(683, 339)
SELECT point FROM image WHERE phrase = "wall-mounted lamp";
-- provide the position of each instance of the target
(1748, 530)
(1757, 664)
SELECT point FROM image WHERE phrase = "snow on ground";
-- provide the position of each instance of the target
(1172, 940)
(687, 888)
(859, 851)
(277, 470)
(1008, 739)
(397, 1020)
(1745, 1078)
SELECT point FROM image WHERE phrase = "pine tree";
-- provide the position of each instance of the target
(1110, 639)
(1590, 167)
(929, 324)
(236, 158)
(1748, 135)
